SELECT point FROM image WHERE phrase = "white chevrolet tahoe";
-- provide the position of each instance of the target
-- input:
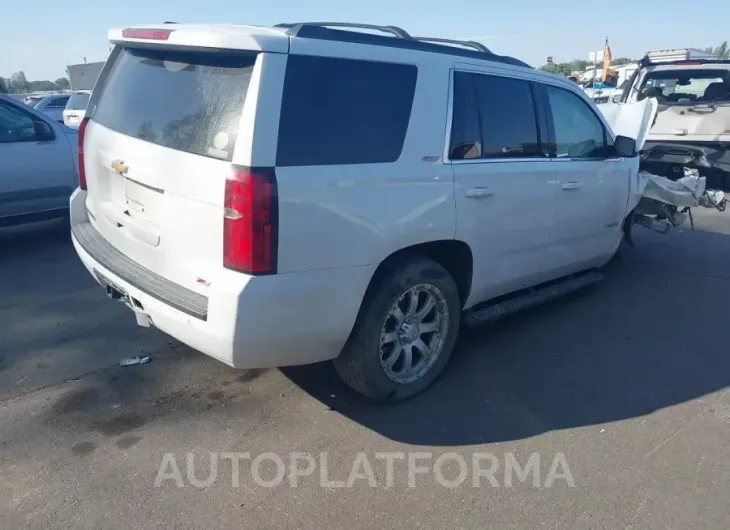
(286, 195)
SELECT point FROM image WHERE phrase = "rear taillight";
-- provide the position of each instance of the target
(250, 221)
(82, 168)
(150, 34)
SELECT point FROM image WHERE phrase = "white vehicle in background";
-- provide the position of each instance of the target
(76, 108)
(601, 94)
(53, 105)
(294, 194)
(692, 127)
(625, 73)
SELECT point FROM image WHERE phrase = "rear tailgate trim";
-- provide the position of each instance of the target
(172, 294)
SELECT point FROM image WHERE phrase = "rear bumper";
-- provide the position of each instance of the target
(271, 321)
(134, 275)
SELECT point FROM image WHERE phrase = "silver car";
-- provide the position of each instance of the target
(53, 105)
(38, 168)
(32, 100)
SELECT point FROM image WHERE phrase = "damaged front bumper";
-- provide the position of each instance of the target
(669, 159)
(663, 203)
(672, 178)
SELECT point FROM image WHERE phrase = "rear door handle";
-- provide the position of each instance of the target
(479, 193)
(570, 185)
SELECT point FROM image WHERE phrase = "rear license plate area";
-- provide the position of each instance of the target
(141, 201)
(135, 196)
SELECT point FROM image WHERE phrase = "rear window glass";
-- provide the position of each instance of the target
(344, 111)
(189, 101)
(59, 102)
(77, 102)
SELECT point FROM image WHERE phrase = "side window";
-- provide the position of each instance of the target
(466, 133)
(344, 111)
(58, 103)
(493, 117)
(509, 120)
(17, 126)
(578, 131)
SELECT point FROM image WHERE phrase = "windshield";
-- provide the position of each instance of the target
(677, 87)
(77, 102)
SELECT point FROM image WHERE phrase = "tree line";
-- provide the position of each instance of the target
(18, 84)
(577, 65)
(722, 50)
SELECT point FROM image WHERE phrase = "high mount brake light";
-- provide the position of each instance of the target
(150, 34)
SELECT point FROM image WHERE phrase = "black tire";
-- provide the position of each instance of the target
(359, 364)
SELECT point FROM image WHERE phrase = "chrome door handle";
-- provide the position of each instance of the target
(479, 193)
(570, 185)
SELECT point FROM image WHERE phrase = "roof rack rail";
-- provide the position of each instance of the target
(478, 46)
(463, 48)
(393, 30)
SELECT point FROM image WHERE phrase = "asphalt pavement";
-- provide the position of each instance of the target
(605, 410)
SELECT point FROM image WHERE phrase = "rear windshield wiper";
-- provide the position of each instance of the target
(712, 104)
(703, 107)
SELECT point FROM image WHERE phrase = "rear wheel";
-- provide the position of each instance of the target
(405, 332)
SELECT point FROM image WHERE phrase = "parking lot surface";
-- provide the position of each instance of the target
(627, 381)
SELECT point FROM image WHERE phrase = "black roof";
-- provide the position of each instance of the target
(312, 31)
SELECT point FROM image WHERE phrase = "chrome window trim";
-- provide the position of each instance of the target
(450, 118)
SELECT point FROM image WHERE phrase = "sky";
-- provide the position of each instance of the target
(42, 41)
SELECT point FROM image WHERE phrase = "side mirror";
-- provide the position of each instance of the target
(616, 98)
(43, 131)
(625, 147)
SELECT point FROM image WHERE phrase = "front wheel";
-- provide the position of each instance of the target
(404, 334)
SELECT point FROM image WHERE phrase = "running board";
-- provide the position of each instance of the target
(527, 299)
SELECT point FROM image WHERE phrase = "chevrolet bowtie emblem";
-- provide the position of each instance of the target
(119, 167)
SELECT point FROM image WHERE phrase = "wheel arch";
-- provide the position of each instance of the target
(452, 254)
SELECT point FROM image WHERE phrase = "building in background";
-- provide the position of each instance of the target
(83, 76)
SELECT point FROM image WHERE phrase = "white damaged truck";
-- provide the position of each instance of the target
(692, 126)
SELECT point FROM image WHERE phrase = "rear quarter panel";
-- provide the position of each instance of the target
(356, 215)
